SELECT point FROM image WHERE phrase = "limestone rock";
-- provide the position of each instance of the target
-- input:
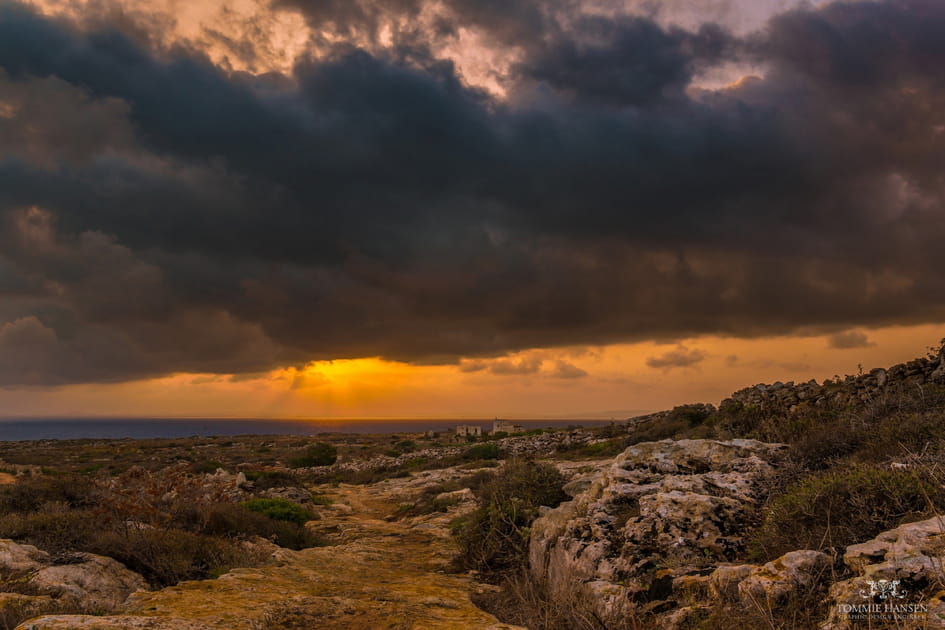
(294, 494)
(457, 496)
(93, 581)
(17, 558)
(123, 622)
(681, 503)
(777, 580)
(907, 558)
(724, 580)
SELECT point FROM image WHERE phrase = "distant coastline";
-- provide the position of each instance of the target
(22, 429)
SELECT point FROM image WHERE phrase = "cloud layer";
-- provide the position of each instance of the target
(161, 213)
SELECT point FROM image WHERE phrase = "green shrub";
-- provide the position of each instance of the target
(230, 520)
(837, 508)
(494, 538)
(279, 510)
(482, 451)
(318, 454)
(265, 479)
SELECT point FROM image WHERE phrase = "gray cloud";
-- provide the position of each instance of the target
(849, 339)
(563, 369)
(161, 214)
(680, 357)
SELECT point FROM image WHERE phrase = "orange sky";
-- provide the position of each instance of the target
(608, 381)
(601, 381)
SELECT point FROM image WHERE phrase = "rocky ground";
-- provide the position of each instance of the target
(377, 572)
(654, 533)
(657, 535)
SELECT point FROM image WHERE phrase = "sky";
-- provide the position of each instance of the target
(455, 208)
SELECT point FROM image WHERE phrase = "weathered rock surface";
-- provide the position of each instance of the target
(123, 622)
(660, 511)
(773, 582)
(92, 581)
(16, 558)
(294, 494)
(910, 558)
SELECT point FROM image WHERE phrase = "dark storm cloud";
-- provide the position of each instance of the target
(626, 61)
(161, 214)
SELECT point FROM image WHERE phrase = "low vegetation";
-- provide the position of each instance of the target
(279, 510)
(833, 509)
(318, 454)
(166, 526)
(493, 539)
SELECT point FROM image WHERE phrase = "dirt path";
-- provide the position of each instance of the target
(378, 574)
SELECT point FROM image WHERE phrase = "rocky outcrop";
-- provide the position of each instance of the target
(82, 580)
(661, 511)
(91, 581)
(898, 566)
(776, 581)
(16, 558)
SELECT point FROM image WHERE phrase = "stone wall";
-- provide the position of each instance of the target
(790, 396)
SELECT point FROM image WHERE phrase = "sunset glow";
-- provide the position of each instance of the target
(376, 208)
(581, 382)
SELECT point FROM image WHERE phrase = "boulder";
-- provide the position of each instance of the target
(896, 565)
(92, 581)
(724, 580)
(463, 495)
(776, 581)
(16, 558)
(671, 503)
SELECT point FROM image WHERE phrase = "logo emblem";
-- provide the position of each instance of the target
(884, 589)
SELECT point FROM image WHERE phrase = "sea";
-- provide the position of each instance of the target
(18, 429)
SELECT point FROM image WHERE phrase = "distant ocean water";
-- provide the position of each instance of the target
(84, 428)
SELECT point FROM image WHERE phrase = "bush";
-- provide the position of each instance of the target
(279, 510)
(54, 528)
(31, 493)
(406, 446)
(163, 556)
(236, 521)
(494, 538)
(482, 451)
(167, 556)
(606, 448)
(692, 414)
(318, 454)
(838, 508)
(265, 479)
